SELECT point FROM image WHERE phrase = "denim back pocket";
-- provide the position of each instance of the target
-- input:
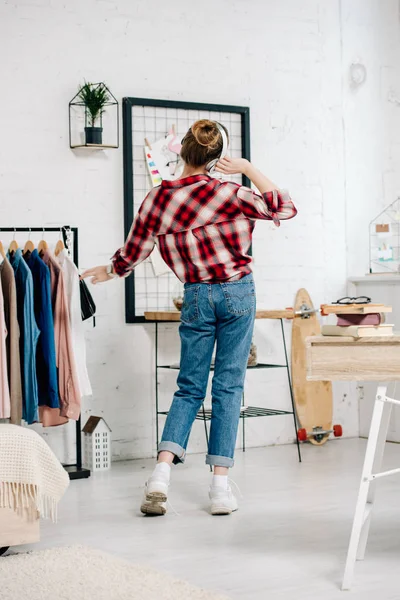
(190, 306)
(240, 296)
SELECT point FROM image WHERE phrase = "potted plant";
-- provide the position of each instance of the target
(95, 98)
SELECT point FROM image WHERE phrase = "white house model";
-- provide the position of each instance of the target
(97, 444)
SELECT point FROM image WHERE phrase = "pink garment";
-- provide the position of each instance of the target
(5, 405)
(68, 384)
(71, 282)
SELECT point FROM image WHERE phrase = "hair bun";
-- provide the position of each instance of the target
(206, 133)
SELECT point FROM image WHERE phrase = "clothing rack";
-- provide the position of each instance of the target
(75, 471)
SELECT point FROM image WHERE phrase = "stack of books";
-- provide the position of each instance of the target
(357, 320)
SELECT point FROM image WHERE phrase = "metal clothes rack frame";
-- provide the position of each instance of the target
(75, 471)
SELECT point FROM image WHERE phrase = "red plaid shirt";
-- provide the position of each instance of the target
(202, 227)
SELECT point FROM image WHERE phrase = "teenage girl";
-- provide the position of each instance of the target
(203, 228)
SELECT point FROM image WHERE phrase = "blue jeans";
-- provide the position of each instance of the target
(223, 313)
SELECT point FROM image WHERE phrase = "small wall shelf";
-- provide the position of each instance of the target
(94, 146)
(384, 240)
(94, 123)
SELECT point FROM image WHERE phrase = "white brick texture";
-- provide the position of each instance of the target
(333, 146)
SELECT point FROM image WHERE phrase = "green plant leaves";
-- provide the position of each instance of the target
(95, 98)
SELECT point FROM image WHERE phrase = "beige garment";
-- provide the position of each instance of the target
(5, 408)
(68, 385)
(71, 281)
(12, 341)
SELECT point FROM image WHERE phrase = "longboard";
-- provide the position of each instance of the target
(313, 399)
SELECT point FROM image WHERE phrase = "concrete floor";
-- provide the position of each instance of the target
(288, 540)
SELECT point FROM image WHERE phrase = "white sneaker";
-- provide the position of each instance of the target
(155, 497)
(223, 502)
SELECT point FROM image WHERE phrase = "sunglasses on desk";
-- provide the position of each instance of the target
(353, 300)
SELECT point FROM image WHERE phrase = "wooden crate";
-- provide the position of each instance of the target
(350, 359)
(17, 529)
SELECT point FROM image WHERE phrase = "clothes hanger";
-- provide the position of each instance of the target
(43, 245)
(60, 245)
(14, 244)
(29, 246)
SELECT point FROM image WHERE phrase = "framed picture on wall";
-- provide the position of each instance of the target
(152, 132)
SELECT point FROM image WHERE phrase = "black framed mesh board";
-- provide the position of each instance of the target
(152, 131)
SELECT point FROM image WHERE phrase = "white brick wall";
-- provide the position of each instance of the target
(288, 61)
(371, 120)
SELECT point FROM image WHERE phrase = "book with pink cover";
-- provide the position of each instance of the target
(372, 319)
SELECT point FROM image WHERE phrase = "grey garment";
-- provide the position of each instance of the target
(12, 340)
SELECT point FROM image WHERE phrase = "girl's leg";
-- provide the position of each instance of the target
(197, 344)
(236, 314)
(197, 333)
(235, 304)
(166, 457)
(223, 471)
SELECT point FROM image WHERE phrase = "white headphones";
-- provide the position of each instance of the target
(210, 166)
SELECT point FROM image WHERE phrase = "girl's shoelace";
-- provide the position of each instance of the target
(173, 509)
(231, 482)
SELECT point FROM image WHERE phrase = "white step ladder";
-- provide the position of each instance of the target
(370, 473)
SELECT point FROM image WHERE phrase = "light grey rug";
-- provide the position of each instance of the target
(78, 573)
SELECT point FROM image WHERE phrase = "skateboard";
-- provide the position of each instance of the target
(313, 399)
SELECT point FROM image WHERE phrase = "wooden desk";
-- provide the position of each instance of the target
(362, 359)
(349, 359)
(174, 315)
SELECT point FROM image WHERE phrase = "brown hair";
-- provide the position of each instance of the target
(202, 143)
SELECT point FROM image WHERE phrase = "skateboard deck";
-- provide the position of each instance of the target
(313, 399)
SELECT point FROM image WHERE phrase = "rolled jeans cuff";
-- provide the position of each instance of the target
(219, 461)
(180, 453)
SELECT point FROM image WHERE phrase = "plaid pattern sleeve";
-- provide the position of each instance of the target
(274, 206)
(139, 243)
(202, 227)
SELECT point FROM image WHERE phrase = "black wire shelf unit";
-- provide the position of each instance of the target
(247, 412)
(75, 470)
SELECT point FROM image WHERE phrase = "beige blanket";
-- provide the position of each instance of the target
(31, 477)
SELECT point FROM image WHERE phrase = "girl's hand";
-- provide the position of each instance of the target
(232, 166)
(98, 274)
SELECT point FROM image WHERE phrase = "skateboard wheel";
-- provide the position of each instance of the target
(337, 431)
(302, 435)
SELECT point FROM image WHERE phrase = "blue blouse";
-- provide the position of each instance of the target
(29, 334)
(46, 351)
